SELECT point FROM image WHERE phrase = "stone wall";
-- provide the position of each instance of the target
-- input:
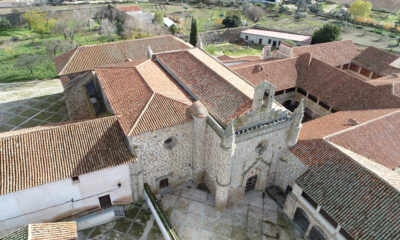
(218, 36)
(158, 162)
(211, 161)
(289, 168)
(76, 99)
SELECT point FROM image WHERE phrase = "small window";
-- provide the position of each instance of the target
(246, 38)
(75, 178)
(170, 143)
(164, 183)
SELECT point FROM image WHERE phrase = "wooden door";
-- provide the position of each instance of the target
(105, 201)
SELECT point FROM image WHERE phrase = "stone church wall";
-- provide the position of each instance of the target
(158, 162)
(211, 162)
(289, 168)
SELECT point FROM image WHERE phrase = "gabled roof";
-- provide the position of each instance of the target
(282, 73)
(45, 231)
(135, 92)
(334, 53)
(344, 91)
(377, 61)
(362, 203)
(37, 156)
(85, 58)
(223, 93)
(130, 8)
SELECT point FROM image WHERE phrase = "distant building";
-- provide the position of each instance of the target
(131, 10)
(168, 22)
(265, 37)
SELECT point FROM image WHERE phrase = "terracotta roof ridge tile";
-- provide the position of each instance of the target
(326, 138)
(141, 114)
(143, 78)
(66, 64)
(51, 127)
(248, 64)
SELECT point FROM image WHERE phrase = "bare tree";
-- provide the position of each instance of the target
(107, 28)
(255, 13)
(27, 61)
(54, 46)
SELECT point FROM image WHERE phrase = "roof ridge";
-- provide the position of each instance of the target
(176, 100)
(357, 158)
(359, 125)
(263, 63)
(49, 127)
(142, 113)
(143, 78)
(75, 51)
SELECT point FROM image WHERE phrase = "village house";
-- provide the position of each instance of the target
(273, 38)
(162, 112)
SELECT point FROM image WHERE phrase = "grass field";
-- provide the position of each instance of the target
(231, 49)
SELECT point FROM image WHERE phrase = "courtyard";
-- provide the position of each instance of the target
(31, 104)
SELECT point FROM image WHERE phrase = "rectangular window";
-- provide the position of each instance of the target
(105, 201)
(328, 218)
(309, 200)
(314, 99)
(260, 41)
(324, 105)
(345, 234)
(269, 41)
(246, 38)
(290, 90)
(301, 91)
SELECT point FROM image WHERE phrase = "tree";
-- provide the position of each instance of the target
(107, 28)
(173, 29)
(69, 28)
(28, 61)
(328, 33)
(283, 9)
(4, 23)
(254, 13)
(360, 8)
(36, 21)
(54, 46)
(193, 33)
(231, 21)
(158, 17)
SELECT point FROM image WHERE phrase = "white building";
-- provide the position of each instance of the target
(265, 37)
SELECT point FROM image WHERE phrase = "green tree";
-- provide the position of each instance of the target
(37, 21)
(360, 8)
(328, 33)
(231, 21)
(4, 23)
(158, 17)
(193, 32)
(173, 29)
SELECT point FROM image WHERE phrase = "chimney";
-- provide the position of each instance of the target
(149, 53)
(199, 43)
(266, 53)
(285, 50)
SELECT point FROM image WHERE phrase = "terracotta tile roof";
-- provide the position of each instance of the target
(333, 53)
(53, 231)
(344, 91)
(362, 203)
(282, 73)
(363, 139)
(38, 156)
(339, 121)
(135, 92)
(45, 231)
(131, 8)
(85, 58)
(377, 61)
(313, 151)
(223, 93)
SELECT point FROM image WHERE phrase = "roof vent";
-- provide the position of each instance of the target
(352, 122)
(259, 68)
(128, 60)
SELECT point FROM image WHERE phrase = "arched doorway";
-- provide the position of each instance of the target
(301, 219)
(251, 183)
(316, 234)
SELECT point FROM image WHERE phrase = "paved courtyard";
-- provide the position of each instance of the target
(193, 216)
(30, 104)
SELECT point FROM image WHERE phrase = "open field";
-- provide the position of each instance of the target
(231, 49)
(388, 5)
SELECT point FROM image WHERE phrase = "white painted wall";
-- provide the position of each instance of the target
(255, 38)
(53, 200)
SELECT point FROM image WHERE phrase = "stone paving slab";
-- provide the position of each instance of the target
(256, 216)
(30, 104)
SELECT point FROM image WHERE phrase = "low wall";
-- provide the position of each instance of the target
(218, 36)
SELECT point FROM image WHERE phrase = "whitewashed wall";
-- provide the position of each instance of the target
(254, 39)
(35, 204)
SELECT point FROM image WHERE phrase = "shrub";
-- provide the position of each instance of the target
(360, 8)
(4, 23)
(316, 9)
(173, 29)
(283, 9)
(398, 29)
(328, 33)
(388, 25)
(231, 21)
(371, 21)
